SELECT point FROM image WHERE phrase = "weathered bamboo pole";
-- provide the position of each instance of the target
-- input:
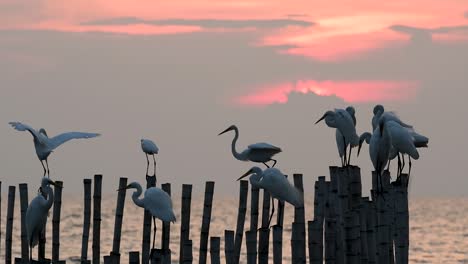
(371, 232)
(382, 222)
(363, 211)
(86, 220)
(214, 250)
(243, 192)
(166, 232)
(119, 212)
(9, 223)
(229, 246)
(254, 208)
(354, 186)
(277, 244)
(315, 238)
(264, 231)
(134, 257)
(251, 244)
(56, 222)
(185, 217)
(147, 221)
(298, 242)
(340, 193)
(188, 257)
(206, 220)
(280, 211)
(353, 244)
(330, 241)
(402, 221)
(97, 218)
(23, 190)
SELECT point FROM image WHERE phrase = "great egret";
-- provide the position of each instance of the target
(379, 112)
(149, 148)
(340, 141)
(259, 152)
(45, 145)
(156, 201)
(36, 214)
(273, 181)
(344, 122)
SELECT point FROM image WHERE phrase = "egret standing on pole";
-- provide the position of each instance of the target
(45, 145)
(149, 148)
(273, 181)
(259, 152)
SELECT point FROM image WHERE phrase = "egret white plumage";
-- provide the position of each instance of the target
(345, 123)
(259, 152)
(149, 148)
(45, 145)
(36, 214)
(273, 181)
(156, 201)
(379, 112)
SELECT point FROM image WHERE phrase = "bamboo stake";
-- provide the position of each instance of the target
(402, 220)
(206, 220)
(86, 220)
(315, 238)
(298, 242)
(56, 221)
(264, 232)
(147, 221)
(371, 232)
(363, 211)
(119, 212)
(254, 208)
(23, 190)
(9, 224)
(243, 192)
(251, 243)
(188, 257)
(277, 244)
(166, 232)
(185, 218)
(229, 246)
(134, 257)
(214, 250)
(97, 218)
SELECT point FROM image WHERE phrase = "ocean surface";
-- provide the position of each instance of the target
(438, 228)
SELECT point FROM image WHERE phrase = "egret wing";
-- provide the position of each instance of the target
(280, 188)
(263, 148)
(159, 203)
(23, 127)
(64, 137)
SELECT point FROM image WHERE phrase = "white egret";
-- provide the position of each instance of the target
(259, 152)
(273, 181)
(345, 123)
(45, 145)
(149, 148)
(36, 214)
(156, 201)
(379, 112)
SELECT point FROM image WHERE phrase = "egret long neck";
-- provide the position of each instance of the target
(236, 154)
(136, 195)
(50, 197)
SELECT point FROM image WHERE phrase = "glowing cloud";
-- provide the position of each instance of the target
(349, 91)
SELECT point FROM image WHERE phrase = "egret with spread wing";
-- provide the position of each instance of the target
(45, 145)
(259, 152)
(149, 148)
(273, 181)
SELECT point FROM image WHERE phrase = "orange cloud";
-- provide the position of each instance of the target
(349, 91)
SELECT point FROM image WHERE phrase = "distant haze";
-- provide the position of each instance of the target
(181, 72)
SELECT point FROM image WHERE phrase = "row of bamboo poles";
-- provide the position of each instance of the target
(347, 228)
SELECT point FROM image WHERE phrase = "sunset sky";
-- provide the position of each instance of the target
(179, 72)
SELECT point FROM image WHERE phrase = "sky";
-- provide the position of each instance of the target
(180, 72)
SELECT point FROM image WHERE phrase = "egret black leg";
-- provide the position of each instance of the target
(272, 211)
(274, 163)
(388, 165)
(409, 172)
(147, 164)
(342, 161)
(45, 170)
(345, 148)
(399, 166)
(154, 162)
(266, 164)
(48, 171)
(350, 149)
(154, 230)
(402, 163)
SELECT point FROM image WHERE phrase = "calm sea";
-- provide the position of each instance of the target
(438, 228)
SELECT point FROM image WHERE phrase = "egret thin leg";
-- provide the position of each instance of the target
(147, 164)
(266, 164)
(45, 171)
(399, 166)
(48, 171)
(154, 162)
(402, 163)
(388, 165)
(154, 230)
(274, 163)
(409, 172)
(350, 149)
(345, 147)
(272, 210)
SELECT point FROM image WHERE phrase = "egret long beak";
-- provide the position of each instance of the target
(323, 117)
(245, 175)
(359, 149)
(226, 130)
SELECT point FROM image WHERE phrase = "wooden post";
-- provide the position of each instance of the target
(330, 241)
(188, 257)
(229, 246)
(9, 223)
(264, 232)
(86, 220)
(277, 244)
(56, 222)
(371, 232)
(298, 243)
(214, 250)
(185, 218)
(363, 211)
(340, 193)
(251, 243)
(147, 221)
(320, 201)
(206, 220)
(382, 221)
(97, 218)
(166, 232)
(402, 221)
(280, 211)
(243, 192)
(119, 212)
(353, 244)
(134, 257)
(315, 238)
(23, 190)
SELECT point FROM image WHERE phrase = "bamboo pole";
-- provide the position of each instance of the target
(243, 192)
(56, 221)
(280, 213)
(147, 220)
(277, 244)
(340, 191)
(402, 221)
(371, 220)
(119, 212)
(86, 220)
(134, 257)
(166, 232)
(188, 257)
(251, 243)
(97, 218)
(9, 223)
(315, 238)
(206, 220)
(363, 211)
(254, 208)
(264, 231)
(185, 218)
(23, 190)
(214, 250)
(353, 244)
(298, 242)
(382, 222)
(229, 246)
(330, 241)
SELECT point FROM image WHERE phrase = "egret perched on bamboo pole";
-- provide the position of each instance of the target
(156, 201)
(45, 145)
(149, 148)
(273, 181)
(36, 214)
(259, 152)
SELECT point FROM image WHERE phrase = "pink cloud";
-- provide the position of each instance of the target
(350, 91)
